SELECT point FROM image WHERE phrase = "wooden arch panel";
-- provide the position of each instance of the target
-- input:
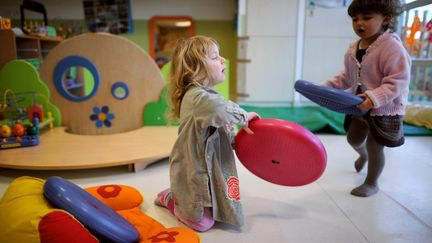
(116, 59)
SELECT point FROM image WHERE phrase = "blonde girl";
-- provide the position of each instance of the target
(204, 185)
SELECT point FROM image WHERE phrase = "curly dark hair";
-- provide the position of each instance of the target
(391, 8)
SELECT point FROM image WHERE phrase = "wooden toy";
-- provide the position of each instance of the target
(16, 123)
(100, 125)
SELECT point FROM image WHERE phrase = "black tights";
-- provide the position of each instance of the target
(360, 138)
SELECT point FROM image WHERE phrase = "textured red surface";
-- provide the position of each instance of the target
(281, 152)
(60, 227)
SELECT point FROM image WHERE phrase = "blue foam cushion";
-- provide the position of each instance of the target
(96, 216)
(330, 98)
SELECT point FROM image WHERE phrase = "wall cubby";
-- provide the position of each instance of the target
(27, 47)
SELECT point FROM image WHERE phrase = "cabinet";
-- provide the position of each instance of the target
(266, 52)
(32, 48)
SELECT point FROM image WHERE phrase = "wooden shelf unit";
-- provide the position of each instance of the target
(24, 46)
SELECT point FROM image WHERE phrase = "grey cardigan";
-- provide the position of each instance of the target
(202, 162)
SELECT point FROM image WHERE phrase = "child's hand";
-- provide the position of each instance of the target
(251, 116)
(367, 103)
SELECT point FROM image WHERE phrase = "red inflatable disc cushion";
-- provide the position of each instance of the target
(281, 152)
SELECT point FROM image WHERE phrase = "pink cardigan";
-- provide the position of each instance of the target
(384, 72)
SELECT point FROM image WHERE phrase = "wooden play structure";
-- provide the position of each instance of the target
(100, 83)
(101, 61)
(60, 150)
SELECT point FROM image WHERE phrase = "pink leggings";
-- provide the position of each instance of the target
(204, 224)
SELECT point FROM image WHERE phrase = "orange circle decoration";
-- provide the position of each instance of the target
(108, 191)
(117, 197)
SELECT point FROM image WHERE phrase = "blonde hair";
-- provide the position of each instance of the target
(188, 69)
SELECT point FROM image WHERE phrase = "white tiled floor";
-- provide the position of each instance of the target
(323, 211)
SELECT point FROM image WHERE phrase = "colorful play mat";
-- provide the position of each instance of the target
(319, 119)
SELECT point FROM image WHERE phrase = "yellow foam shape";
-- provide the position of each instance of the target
(419, 115)
(21, 208)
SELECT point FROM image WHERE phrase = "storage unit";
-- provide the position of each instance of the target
(32, 48)
(416, 32)
(280, 41)
(266, 51)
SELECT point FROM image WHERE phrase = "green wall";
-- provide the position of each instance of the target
(140, 34)
(223, 31)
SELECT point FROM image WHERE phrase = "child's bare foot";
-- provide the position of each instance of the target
(359, 164)
(365, 190)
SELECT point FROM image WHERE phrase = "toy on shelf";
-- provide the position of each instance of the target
(411, 43)
(417, 36)
(37, 110)
(429, 30)
(5, 23)
(20, 119)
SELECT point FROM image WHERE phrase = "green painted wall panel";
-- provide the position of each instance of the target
(221, 31)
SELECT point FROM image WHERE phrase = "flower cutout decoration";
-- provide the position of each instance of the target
(164, 236)
(233, 188)
(108, 191)
(102, 116)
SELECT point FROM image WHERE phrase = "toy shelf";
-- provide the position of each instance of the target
(24, 46)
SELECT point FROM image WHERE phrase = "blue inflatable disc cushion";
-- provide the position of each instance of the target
(330, 98)
(92, 213)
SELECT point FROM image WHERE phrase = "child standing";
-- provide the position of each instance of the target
(203, 177)
(377, 68)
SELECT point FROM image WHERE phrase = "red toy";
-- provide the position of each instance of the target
(281, 152)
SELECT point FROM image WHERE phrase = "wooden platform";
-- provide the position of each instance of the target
(59, 150)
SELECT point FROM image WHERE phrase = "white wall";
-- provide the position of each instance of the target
(271, 28)
(141, 9)
(328, 32)
(197, 9)
(270, 45)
